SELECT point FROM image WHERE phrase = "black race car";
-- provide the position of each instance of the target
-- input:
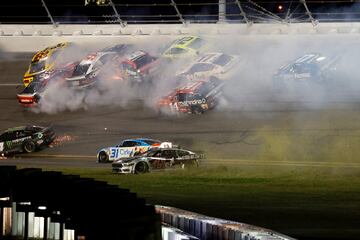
(25, 139)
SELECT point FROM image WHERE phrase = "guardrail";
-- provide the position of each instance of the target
(207, 228)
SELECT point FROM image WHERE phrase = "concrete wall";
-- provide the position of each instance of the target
(24, 38)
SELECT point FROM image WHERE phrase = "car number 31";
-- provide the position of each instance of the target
(114, 153)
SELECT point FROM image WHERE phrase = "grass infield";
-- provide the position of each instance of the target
(304, 202)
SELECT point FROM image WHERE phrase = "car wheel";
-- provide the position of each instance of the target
(103, 157)
(141, 167)
(197, 110)
(29, 146)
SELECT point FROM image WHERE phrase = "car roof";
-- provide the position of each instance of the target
(141, 139)
(93, 57)
(209, 57)
(136, 55)
(308, 58)
(190, 87)
(20, 128)
(45, 53)
(13, 129)
(184, 41)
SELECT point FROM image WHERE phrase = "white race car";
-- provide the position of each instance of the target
(209, 64)
(88, 71)
(130, 148)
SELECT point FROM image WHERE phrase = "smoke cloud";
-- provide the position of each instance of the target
(249, 86)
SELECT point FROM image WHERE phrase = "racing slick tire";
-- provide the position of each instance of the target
(141, 167)
(29, 146)
(103, 157)
(197, 110)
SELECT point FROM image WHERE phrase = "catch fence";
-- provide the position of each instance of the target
(178, 11)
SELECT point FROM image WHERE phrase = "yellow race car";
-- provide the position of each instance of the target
(183, 47)
(42, 64)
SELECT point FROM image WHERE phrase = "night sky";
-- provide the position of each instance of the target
(155, 11)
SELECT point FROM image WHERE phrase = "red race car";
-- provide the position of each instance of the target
(31, 94)
(193, 97)
(140, 67)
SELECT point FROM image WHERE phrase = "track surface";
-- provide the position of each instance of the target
(227, 136)
(223, 133)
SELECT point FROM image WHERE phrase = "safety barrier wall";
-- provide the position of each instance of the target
(28, 38)
(207, 228)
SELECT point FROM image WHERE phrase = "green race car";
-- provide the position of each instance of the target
(25, 139)
(186, 46)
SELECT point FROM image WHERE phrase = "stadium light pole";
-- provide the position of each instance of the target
(48, 13)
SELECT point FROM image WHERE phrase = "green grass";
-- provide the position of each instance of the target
(306, 203)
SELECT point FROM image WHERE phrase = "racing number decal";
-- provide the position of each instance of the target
(114, 153)
(1, 146)
(40, 55)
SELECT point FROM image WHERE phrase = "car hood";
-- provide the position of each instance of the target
(127, 160)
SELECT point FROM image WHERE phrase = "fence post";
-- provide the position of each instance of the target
(49, 14)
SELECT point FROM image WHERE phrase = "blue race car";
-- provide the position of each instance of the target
(129, 148)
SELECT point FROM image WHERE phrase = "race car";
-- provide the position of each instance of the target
(128, 148)
(25, 139)
(156, 159)
(184, 47)
(43, 64)
(193, 97)
(89, 70)
(140, 67)
(305, 71)
(209, 64)
(31, 95)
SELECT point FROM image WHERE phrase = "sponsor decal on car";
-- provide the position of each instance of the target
(192, 102)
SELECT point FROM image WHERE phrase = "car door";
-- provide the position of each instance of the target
(18, 138)
(182, 156)
(168, 156)
(10, 141)
(123, 150)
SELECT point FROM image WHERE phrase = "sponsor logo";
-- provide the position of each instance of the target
(302, 75)
(20, 139)
(192, 102)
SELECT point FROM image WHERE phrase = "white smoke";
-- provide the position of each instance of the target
(248, 87)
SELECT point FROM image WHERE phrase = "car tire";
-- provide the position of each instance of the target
(197, 110)
(141, 167)
(29, 146)
(103, 157)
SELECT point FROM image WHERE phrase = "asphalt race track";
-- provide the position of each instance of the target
(229, 134)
